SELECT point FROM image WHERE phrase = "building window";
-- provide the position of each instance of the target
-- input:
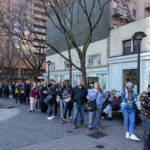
(115, 4)
(148, 3)
(94, 60)
(134, 12)
(66, 64)
(127, 47)
(52, 66)
(135, 46)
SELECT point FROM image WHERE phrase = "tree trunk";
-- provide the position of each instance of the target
(70, 69)
(70, 74)
(83, 71)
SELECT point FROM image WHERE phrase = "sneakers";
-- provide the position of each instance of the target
(49, 118)
(99, 130)
(53, 117)
(83, 125)
(69, 119)
(133, 137)
(127, 135)
(63, 121)
(109, 119)
(74, 126)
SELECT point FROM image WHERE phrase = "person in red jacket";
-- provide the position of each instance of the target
(33, 97)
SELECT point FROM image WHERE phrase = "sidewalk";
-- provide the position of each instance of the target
(32, 131)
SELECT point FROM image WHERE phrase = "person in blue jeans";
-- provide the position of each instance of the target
(78, 98)
(128, 109)
(51, 92)
(62, 101)
(100, 96)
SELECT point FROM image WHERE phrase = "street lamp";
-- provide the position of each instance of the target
(138, 36)
(48, 62)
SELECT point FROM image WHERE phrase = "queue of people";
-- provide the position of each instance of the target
(100, 104)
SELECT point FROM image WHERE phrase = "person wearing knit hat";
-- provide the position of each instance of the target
(128, 109)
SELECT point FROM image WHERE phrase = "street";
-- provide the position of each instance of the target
(21, 130)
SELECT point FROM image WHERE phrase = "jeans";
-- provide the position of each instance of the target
(129, 116)
(146, 133)
(68, 108)
(77, 108)
(108, 110)
(62, 104)
(50, 110)
(92, 115)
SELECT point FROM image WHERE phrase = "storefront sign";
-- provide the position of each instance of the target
(92, 75)
(66, 76)
(51, 76)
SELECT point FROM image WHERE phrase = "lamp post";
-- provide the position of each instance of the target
(48, 62)
(138, 36)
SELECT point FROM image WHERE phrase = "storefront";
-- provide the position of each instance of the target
(123, 69)
(99, 75)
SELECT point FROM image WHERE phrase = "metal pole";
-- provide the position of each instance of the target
(48, 73)
(138, 68)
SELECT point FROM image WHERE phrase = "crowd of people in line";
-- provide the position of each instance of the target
(99, 103)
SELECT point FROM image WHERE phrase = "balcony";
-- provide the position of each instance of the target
(148, 5)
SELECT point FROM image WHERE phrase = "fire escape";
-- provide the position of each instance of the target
(127, 10)
(123, 13)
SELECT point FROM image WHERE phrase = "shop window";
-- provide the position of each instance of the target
(91, 81)
(130, 76)
(127, 47)
(94, 60)
(134, 12)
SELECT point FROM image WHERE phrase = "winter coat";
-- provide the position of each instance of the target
(116, 103)
(65, 94)
(78, 95)
(60, 92)
(43, 94)
(27, 89)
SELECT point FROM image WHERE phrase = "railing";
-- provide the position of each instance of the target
(148, 4)
(118, 12)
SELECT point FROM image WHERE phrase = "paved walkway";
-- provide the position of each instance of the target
(32, 131)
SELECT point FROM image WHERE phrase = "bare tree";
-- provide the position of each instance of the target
(20, 26)
(60, 13)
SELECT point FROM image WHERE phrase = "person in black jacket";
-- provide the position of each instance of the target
(13, 90)
(78, 98)
(52, 93)
(44, 93)
(55, 88)
(26, 92)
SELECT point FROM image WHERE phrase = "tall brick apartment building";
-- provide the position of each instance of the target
(15, 10)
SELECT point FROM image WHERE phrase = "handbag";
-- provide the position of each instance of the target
(58, 98)
(67, 100)
(92, 105)
(48, 99)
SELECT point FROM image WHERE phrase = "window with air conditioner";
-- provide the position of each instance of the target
(94, 60)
